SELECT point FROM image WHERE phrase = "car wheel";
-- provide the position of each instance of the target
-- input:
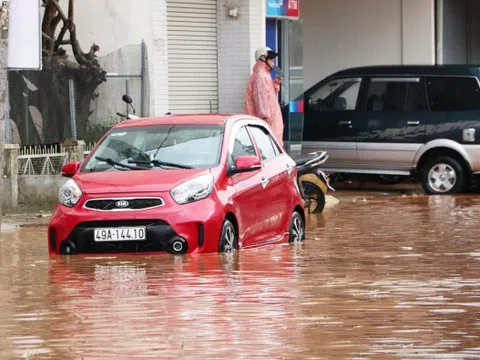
(297, 228)
(228, 238)
(443, 175)
(314, 197)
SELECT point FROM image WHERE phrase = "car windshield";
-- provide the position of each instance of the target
(170, 146)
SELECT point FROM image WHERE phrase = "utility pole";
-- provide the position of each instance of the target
(3, 89)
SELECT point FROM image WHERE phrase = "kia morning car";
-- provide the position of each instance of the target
(181, 184)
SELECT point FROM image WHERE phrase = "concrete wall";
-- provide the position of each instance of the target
(238, 38)
(347, 33)
(115, 25)
(37, 190)
(159, 57)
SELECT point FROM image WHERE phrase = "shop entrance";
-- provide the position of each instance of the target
(284, 34)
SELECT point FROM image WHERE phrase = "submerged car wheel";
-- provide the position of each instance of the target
(297, 228)
(443, 176)
(314, 197)
(228, 238)
(68, 247)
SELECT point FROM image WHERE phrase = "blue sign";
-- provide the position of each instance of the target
(283, 9)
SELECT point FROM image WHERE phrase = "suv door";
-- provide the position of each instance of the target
(394, 125)
(332, 121)
(276, 197)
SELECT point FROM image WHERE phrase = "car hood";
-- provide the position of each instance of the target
(134, 181)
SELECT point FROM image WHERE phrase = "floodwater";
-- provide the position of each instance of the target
(383, 278)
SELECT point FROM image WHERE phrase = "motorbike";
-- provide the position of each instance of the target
(313, 182)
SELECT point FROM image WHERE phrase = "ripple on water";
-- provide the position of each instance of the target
(381, 278)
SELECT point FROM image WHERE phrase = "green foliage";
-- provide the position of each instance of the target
(94, 132)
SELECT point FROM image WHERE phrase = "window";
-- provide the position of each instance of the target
(453, 94)
(198, 146)
(395, 95)
(243, 145)
(264, 143)
(336, 95)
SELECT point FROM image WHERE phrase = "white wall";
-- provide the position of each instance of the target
(238, 38)
(418, 17)
(159, 59)
(347, 33)
(115, 25)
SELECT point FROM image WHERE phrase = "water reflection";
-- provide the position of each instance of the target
(376, 279)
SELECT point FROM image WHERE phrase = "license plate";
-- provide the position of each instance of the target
(120, 234)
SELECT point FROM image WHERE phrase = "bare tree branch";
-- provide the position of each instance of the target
(51, 43)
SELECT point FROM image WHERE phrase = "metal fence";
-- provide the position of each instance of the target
(50, 106)
(41, 160)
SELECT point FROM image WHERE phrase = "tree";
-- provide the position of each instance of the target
(52, 101)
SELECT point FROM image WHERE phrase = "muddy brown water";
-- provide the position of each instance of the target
(382, 278)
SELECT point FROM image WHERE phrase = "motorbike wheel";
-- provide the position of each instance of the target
(314, 197)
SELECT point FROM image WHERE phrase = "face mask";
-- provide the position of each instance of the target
(97, 53)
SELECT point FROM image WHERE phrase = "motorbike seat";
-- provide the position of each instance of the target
(304, 159)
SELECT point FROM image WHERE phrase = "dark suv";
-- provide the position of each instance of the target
(398, 120)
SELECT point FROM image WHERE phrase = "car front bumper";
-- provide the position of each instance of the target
(71, 230)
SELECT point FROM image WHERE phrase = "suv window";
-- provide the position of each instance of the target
(453, 93)
(243, 145)
(264, 142)
(336, 95)
(385, 94)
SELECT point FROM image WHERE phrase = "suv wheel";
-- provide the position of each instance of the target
(443, 175)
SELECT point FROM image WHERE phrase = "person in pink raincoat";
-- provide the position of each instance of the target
(262, 98)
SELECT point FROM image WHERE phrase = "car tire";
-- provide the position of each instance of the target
(312, 191)
(297, 228)
(443, 175)
(228, 238)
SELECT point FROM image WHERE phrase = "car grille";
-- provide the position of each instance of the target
(123, 204)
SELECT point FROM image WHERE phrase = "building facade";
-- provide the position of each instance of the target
(201, 52)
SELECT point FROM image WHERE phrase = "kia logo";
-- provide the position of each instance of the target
(122, 204)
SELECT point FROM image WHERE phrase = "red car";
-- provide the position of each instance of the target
(182, 184)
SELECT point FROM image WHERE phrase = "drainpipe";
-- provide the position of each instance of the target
(439, 32)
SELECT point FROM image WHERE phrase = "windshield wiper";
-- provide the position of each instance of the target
(159, 163)
(116, 163)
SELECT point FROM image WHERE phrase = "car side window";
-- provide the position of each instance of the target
(264, 142)
(453, 93)
(243, 145)
(401, 95)
(336, 95)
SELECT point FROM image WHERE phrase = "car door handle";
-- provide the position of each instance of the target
(413, 123)
(289, 168)
(344, 123)
(264, 182)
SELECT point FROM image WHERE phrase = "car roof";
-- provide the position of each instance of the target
(205, 119)
(415, 70)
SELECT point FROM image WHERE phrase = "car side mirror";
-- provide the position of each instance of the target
(246, 164)
(70, 169)
(340, 104)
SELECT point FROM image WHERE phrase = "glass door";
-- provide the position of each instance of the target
(291, 97)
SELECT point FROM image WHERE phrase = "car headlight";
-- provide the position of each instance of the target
(69, 194)
(193, 190)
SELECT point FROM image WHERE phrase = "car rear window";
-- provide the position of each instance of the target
(453, 93)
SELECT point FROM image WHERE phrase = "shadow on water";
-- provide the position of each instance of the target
(381, 278)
